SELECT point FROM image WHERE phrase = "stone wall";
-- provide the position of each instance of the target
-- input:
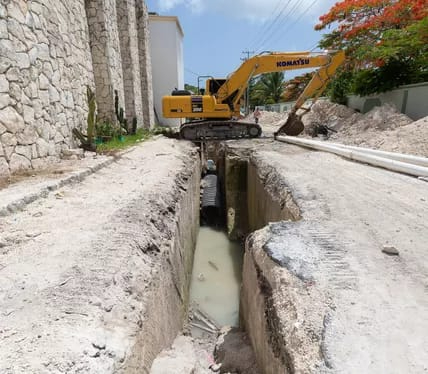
(50, 50)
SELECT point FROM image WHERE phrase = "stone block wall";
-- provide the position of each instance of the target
(50, 50)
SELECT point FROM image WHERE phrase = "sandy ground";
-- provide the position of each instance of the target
(373, 306)
(382, 128)
(74, 265)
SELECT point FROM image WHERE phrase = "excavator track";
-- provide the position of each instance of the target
(219, 130)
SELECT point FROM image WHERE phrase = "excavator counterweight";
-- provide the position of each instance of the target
(214, 113)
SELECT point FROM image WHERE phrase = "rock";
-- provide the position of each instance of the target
(8, 140)
(42, 147)
(4, 167)
(5, 101)
(235, 353)
(28, 114)
(24, 151)
(19, 162)
(43, 82)
(10, 118)
(4, 84)
(390, 250)
(13, 75)
(66, 154)
(22, 60)
(180, 359)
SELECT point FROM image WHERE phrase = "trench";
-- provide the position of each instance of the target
(246, 199)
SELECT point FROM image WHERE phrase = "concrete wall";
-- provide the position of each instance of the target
(50, 51)
(411, 100)
(166, 44)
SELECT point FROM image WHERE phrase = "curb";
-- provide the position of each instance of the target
(73, 178)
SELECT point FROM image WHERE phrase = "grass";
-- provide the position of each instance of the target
(128, 140)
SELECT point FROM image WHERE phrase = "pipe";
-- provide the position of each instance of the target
(410, 159)
(402, 167)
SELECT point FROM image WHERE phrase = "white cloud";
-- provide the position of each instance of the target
(254, 10)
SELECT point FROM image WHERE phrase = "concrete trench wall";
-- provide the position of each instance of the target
(50, 51)
(256, 196)
(168, 295)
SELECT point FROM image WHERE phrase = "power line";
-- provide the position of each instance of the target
(275, 30)
(272, 24)
(191, 72)
(265, 23)
(297, 19)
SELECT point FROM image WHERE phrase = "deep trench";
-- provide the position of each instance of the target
(247, 197)
(247, 202)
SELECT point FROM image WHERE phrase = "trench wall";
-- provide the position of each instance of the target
(168, 295)
(268, 200)
(50, 51)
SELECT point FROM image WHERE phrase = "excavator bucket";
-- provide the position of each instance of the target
(293, 126)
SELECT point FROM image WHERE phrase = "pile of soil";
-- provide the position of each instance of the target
(383, 127)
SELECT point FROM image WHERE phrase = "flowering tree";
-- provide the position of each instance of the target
(381, 37)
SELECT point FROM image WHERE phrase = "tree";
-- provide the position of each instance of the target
(268, 89)
(295, 86)
(382, 38)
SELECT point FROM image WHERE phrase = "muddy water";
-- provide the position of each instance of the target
(216, 276)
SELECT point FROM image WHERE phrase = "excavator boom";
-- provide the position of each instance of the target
(211, 114)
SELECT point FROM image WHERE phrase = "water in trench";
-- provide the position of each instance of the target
(216, 276)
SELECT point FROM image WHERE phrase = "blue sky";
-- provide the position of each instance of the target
(217, 31)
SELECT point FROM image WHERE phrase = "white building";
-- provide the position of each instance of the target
(166, 45)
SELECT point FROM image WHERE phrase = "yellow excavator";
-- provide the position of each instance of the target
(214, 113)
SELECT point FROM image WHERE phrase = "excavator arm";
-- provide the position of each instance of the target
(211, 114)
(233, 89)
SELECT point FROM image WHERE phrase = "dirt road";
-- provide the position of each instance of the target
(78, 268)
(343, 305)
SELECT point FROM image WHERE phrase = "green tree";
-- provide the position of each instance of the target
(386, 42)
(268, 88)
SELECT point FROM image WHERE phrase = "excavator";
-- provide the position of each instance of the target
(214, 113)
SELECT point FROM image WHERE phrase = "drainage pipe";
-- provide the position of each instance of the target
(402, 167)
(410, 159)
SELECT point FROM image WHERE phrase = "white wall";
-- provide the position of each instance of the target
(166, 45)
(411, 100)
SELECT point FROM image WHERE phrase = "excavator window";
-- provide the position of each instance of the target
(215, 84)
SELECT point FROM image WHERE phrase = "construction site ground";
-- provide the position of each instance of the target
(73, 275)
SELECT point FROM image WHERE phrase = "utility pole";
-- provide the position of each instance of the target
(247, 54)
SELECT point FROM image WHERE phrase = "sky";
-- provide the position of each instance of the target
(217, 32)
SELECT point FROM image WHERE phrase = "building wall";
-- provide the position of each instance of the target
(50, 51)
(166, 45)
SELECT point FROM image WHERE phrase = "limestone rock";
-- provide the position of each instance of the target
(19, 162)
(24, 151)
(8, 139)
(28, 136)
(390, 250)
(180, 359)
(28, 114)
(10, 118)
(4, 101)
(4, 84)
(4, 167)
(43, 82)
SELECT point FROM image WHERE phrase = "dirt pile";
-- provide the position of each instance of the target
(382, 128)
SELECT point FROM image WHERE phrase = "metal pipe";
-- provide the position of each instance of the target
(402, 167)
